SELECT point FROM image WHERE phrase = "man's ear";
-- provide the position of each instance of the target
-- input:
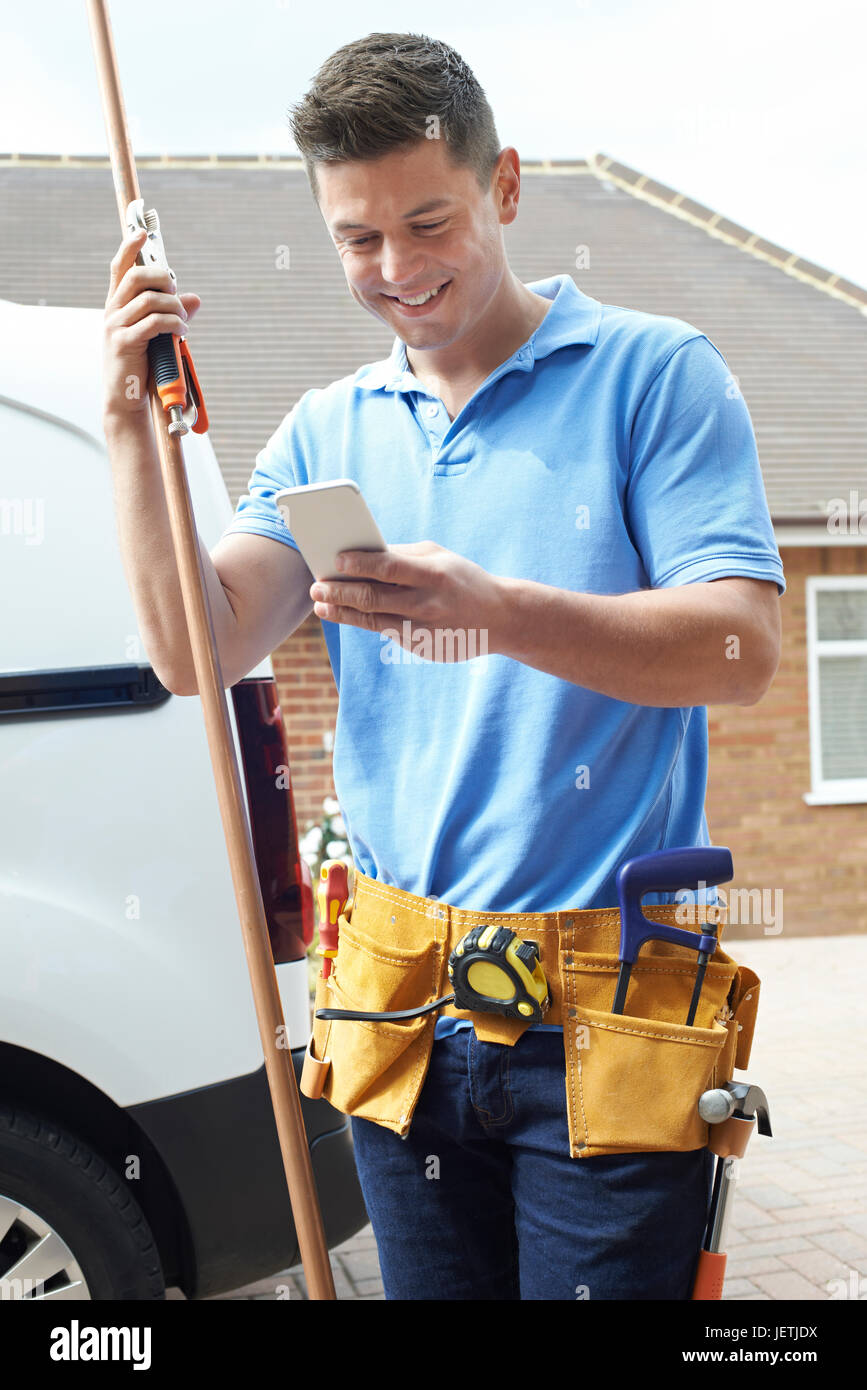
(506, 184)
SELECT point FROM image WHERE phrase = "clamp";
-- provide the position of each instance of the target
(170, 359)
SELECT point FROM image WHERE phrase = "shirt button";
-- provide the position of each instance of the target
(431, 410)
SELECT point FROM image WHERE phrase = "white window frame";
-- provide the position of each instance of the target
(840, 790)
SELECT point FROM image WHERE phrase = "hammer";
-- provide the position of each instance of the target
(734, 1111)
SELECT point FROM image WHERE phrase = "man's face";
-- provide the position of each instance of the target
(411, 222)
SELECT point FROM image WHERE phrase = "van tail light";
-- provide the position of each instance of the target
(284, 877)
(306, 885)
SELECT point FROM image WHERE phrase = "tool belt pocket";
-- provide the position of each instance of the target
(633, 1081)
(744, 1004)
(376, 1068)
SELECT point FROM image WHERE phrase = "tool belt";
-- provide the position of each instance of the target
(632, 1079)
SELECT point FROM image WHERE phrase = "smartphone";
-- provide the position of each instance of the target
(324, 519)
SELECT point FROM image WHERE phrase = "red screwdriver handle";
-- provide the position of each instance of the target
(333, 895)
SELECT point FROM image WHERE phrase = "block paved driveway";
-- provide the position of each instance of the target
(799, 1218)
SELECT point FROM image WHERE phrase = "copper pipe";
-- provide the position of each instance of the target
(206, 661)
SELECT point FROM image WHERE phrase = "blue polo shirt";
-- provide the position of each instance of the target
(612, 452)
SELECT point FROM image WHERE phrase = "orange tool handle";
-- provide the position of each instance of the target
(710, 1276)
(333, 895)
(172, 365)
(201, 425)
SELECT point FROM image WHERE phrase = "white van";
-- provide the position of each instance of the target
(138, 1148)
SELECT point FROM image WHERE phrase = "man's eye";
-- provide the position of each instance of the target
(419, 227)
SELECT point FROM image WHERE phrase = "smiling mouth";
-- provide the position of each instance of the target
(414, 301)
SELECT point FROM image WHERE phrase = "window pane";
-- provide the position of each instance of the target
(843, 705)
(841, 614)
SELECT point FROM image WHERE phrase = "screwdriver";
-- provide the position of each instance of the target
(333, 895)
(664, 872)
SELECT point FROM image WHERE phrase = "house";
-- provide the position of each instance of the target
(787, 787)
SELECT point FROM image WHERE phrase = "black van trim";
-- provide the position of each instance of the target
(219, 1144)
(70, 689)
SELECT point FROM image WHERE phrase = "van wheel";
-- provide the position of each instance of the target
(69, 1226)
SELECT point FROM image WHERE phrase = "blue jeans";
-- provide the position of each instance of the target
(481, 1199)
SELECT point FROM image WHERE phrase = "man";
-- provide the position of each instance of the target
(576, 486)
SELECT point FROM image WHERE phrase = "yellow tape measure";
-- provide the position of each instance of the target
(494, 971)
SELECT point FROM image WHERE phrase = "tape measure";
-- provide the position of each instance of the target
(491, 971)
(494, 971)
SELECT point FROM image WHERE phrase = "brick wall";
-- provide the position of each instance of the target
(759, 770)
(308, 700)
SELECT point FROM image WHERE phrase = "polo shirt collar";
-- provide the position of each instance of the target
(572, 319)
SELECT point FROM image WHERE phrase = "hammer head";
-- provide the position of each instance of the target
(751, 1103)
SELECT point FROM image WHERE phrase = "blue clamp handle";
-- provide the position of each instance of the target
(665, 872)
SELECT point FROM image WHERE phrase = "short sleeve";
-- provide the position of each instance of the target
(695, 498)
(279, 465)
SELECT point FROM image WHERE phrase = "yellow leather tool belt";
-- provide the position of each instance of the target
(633, 1080)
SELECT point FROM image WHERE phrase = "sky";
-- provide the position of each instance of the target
(756, 108)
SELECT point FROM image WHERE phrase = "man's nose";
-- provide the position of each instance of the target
(400, 265)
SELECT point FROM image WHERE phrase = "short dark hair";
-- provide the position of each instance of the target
(388, 91)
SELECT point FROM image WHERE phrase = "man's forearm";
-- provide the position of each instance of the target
(145, 538)
(682, 646)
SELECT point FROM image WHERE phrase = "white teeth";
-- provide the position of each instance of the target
(421, 298)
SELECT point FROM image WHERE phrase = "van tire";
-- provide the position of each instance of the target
(48, 1169)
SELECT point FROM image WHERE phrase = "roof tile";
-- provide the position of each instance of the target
(265, 335)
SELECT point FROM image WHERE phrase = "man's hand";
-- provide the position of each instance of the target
(430, 589)
(142, 302)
